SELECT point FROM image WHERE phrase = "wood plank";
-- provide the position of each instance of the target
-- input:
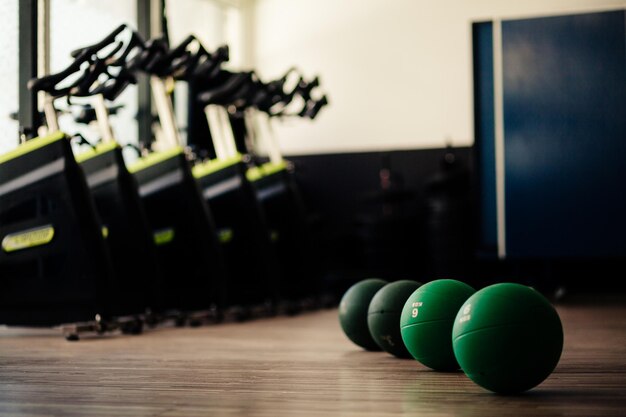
(291, 366)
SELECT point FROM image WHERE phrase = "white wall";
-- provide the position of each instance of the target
(74, 23)
(398, 72)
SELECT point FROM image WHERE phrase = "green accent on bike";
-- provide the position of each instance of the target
(28, 238)
(272, 168)
(225, 235)
(209, 167)
(256, 173)
(163, 236)
(31, 145)
(98, 150)
(154, 158)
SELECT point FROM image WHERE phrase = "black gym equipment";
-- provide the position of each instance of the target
(115, 191)
(188, 245)
(277, 187)
(94, 246)
(54, 262)
(130, 260)
(275, 191)
(241, 223)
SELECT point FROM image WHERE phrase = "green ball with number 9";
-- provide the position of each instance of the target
(427, 319)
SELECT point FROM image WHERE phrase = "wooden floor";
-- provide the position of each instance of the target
(292, 366)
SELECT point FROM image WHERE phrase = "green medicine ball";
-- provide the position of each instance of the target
(507, 338)
(383, 316)
(427, 320)
(353, 312)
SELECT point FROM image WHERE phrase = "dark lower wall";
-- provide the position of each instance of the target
(397, 215)
(410, 215)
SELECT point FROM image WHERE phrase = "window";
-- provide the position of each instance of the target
(8, 74)
(76, 23)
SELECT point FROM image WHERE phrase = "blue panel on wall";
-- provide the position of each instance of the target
(565, 135)
(482, 48)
